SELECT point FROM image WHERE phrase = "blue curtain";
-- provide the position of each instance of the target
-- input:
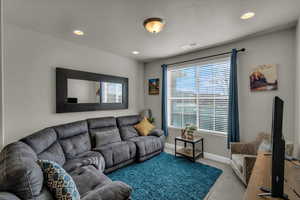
(233, 107)
(164, 111)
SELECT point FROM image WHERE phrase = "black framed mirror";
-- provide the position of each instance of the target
(78, 91)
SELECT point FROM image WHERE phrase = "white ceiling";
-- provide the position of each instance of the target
(116, 25)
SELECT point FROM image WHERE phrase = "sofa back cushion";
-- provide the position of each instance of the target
(19, 172)
(74, 138)
(130, 120)
(107, 137)
(46, 146)
(126, 126)
(103, 131)
(102, 122)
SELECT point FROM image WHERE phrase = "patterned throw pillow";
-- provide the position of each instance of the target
(59, 182)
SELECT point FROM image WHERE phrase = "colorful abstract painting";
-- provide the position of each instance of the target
(154, 86)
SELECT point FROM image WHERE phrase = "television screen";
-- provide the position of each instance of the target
(278, 153)
(278, 149)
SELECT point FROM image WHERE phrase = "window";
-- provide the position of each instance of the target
(111, 92)
(198, 94)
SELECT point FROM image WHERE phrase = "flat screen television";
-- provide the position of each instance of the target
(278, 153)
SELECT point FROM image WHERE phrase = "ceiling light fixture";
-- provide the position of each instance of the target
(78, 32)
(154, 25)
(248, 15)
(135, 52)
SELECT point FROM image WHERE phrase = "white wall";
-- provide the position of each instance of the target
(255, 107)
(29, 79)
(1, 77)
(297, 93)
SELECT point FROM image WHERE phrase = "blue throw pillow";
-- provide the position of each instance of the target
(59, 182)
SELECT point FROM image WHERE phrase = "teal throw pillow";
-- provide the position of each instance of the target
(59, 182)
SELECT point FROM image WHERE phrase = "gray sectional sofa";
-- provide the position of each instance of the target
(86, 149)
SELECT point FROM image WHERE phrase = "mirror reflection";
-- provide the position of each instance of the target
(111, 92)
(83, 91)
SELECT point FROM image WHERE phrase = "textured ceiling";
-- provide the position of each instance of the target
(116, 25)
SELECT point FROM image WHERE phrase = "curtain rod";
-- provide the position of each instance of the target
(200, 58)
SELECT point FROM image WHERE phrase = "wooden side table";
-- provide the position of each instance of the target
(262, 176)
(190, 153)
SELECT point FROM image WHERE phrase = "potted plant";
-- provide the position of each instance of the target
(188, 131)
(151, 120)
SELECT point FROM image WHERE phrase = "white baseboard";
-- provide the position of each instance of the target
(207, 155)
(217, 158)
(170, 146)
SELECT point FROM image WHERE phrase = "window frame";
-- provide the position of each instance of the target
(183, 66)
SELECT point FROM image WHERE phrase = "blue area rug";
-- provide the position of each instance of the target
(166, 177)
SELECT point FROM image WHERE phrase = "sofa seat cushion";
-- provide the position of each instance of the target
(94, 185)
(84, 159)
(8, 196)
(237, 160)
(88, 178)
(147, 144)
(45, 194)
(115, 190)
(117, 152)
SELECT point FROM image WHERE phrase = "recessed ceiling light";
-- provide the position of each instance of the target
(186, 46)
(193, 44)
(78, 32)
(189, 46)
(135, 52)
(248, 15)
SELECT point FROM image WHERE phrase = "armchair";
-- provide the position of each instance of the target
(243, 156)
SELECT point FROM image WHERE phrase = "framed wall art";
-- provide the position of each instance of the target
(154, 86)
(264, 78)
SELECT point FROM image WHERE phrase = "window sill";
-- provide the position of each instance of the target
(206, 132)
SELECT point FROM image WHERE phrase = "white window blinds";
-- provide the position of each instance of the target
(198, 94)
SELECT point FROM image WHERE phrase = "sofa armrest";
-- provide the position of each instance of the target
(156, 132)
(8, 196)
(249, 162)
(242, 148)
